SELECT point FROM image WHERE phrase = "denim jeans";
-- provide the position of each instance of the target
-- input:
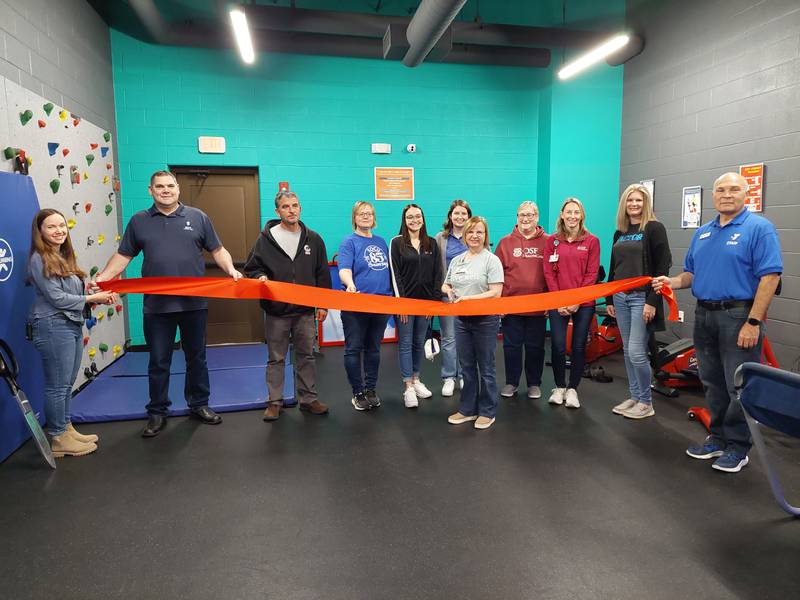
(558, 345)
(451, 368)
(634, 333)
(411, 341)
(715, 335)
(363, 333)
(476, 338)
(522, 331)
(60, 342)
(159, 333)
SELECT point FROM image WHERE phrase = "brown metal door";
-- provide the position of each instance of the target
(230, 199)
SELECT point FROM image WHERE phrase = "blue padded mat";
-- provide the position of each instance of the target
(236, 374)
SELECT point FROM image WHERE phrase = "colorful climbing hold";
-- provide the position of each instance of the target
(109, 166)
(89, 159)
(75, 122)
(103, 151)
(71, 223)
(52, 147)
(103, 347)
(101, 316)
(93, 146)
(93, 271)
(54, 185)
(65, 151)
(10, 152)
(108, 209)
(87, 207)
(26, 116)
(48, 108)
(41, 123)
(107, 136)
(89, 241)
(116, 350)
(75, 208)
(118, 308)
(110, 312)
(106, 179)
(117, 238)
(62, 115)
(85, 341)
(92, 351)
(100, 239)
(60, 168)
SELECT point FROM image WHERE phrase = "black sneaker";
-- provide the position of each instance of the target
(360, 402)
(372, 398)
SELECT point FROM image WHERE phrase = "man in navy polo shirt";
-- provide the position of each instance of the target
(733, 266)
(172, 237)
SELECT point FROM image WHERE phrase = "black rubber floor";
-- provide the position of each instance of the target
(549, 503)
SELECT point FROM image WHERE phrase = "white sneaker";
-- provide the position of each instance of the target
(639, 411)
(571, 398)
(410, 398)
(508, 391)
(461, 383)
(421, 390)
(620, 408)
(448, 387)
(534, 391)
(557, 397)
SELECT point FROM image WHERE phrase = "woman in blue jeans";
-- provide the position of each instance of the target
(571, 260)
(57, 321)
(450, 241)
(363, 267)
(640, 248)
(474, 275)
(416, 273)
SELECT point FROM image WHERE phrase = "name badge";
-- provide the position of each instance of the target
(704, 235)
(553, 258)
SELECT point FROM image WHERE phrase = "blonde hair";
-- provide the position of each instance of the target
(623, 220)
(561, 229)
(358, 206)
(528, 203)
(470, 225)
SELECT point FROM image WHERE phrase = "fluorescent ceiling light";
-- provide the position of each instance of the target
(242, 33)
(593, 56)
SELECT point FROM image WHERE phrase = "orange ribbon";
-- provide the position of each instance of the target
(292, 293)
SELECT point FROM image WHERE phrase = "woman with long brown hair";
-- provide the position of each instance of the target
(57, 322)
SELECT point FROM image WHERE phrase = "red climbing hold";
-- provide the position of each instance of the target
(41, 124)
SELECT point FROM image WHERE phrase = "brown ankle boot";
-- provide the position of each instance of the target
(85, 438)
(315, 408)
(66, 445)
(273, 411)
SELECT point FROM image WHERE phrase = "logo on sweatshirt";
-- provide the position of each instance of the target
(526, 253)
(375, 258)
(6, 260)
(307, 250)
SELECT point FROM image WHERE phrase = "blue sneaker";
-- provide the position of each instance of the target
(731, 462)
(711, 448)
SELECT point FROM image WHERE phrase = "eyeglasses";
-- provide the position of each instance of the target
(527, 215)
(365, 214)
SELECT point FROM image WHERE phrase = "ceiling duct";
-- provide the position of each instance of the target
(431, 20)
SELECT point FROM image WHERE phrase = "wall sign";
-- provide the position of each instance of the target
(692, 207)
(754, 174)
(394, 183)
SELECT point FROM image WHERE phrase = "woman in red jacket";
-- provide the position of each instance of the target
(572, 260)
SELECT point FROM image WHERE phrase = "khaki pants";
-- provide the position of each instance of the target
(277, 334)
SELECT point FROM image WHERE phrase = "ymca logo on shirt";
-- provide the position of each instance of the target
(375, 258)
(733, 241)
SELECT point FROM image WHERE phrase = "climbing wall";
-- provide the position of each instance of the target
(70, 162)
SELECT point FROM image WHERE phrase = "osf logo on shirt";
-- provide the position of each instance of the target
(6, 260)
(375, 258)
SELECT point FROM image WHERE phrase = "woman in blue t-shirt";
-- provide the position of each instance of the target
(364, 267)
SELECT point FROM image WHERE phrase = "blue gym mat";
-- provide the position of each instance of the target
(236, 374)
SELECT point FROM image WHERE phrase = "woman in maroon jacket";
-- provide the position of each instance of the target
(521, 253)
(572, 260)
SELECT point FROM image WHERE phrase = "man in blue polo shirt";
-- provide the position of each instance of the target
(172, 237)
(733, 266)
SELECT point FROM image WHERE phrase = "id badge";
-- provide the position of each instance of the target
(553, 258)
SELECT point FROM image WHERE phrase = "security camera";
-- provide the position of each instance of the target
(411, 148)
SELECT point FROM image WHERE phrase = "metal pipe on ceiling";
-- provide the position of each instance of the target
(430, 21)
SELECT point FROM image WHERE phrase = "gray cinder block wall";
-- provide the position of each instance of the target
(718, 85)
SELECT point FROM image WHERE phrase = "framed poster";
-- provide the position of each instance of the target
(754, 174)
(692, 206)
(650, 184)
(394, 183)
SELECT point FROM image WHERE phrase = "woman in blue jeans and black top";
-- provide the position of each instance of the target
(571, 260)
(474, 275)
(57, 320)
(451, 243)
(640, 248)
(416, 273)
(364, 267)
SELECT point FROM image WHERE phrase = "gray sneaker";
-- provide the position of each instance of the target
(620, 408)
(508, 391)
(639, 411)
(534, 391)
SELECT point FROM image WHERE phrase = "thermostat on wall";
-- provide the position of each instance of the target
(211, 145)
(381, 148)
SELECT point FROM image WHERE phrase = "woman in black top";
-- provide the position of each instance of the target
(416, 273)
(640, 248)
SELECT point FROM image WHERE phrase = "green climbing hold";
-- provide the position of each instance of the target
(110, 312)
(48, 108)
(26, 116)
(89, 159)
(93, 271)
(107, 136)
(109, 208)
(103, 347)
(54, 185)
(10, 152)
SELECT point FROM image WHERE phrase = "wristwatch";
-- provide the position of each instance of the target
(754, 322)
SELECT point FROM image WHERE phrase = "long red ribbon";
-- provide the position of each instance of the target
(291, 293)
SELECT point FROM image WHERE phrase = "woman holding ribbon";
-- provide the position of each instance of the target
(451, 243)
(572, 260)
(364, 267)
(416, 273)
(57, 323)
(474, 275)
(640, 248)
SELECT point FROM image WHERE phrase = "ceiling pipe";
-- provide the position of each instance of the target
(430, 21)
(151, 18)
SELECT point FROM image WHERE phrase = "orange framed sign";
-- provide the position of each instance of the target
(755, 181)
(394, 183)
